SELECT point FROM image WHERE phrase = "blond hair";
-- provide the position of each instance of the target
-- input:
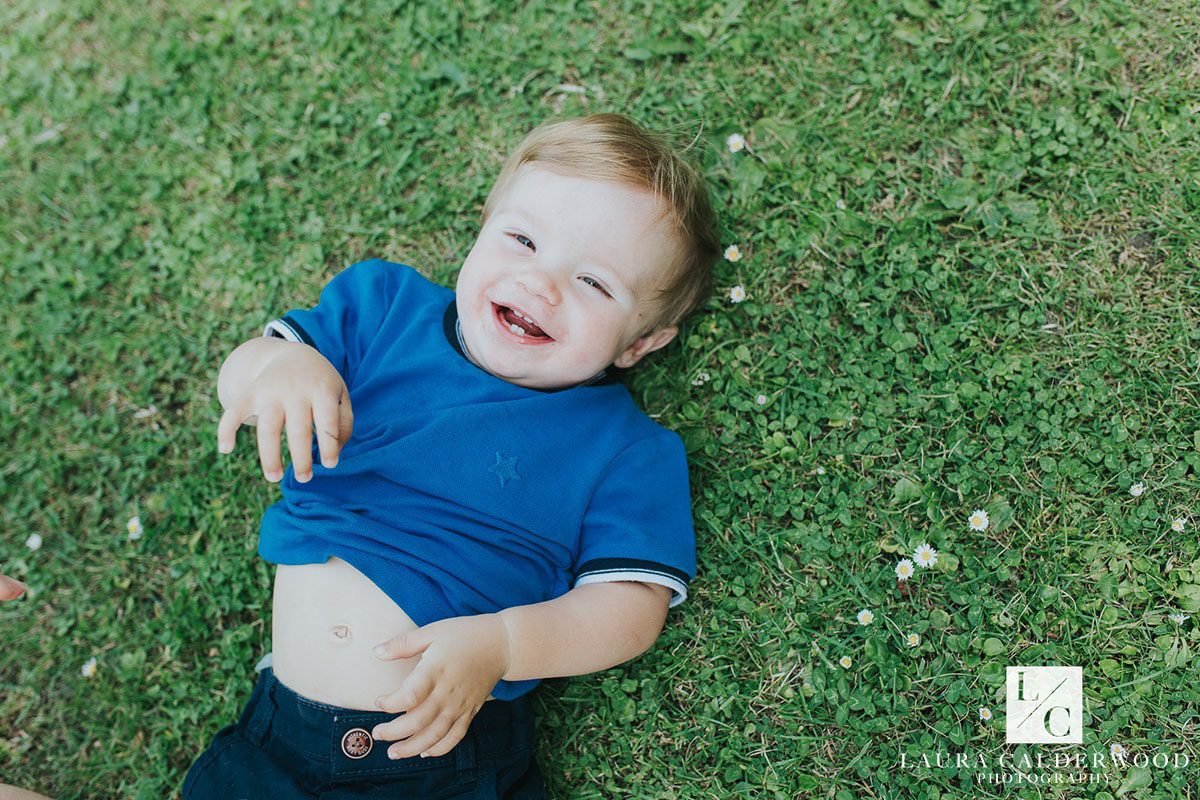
(613, 147)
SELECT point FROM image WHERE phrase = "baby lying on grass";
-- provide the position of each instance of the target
(490, 508)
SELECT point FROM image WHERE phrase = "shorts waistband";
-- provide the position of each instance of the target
(341, 737)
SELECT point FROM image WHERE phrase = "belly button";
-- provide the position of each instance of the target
(340, 633)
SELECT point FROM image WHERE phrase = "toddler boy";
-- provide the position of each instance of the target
(503, 511)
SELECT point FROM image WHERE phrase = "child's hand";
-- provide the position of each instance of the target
(461, 660)
(297, 388)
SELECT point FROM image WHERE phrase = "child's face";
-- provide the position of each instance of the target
(551, 243)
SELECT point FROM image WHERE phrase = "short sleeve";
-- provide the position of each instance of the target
(348, 315)
(638, 523)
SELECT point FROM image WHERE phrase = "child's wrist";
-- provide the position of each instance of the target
(508, 642)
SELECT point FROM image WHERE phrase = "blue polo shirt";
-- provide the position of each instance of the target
(460, 493)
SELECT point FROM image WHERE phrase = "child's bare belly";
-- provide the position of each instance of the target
(326, 620)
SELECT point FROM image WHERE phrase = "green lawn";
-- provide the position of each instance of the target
(969, 237)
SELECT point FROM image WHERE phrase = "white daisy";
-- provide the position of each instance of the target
(737, 294)
(865, 617)
(89, 668)
(735, 142)
(761, 399)
(1137, 489)
(841, 204)
(985, 713)
(1179, 619)
(845, 662)
(732, 253)
(979, 520)
(1178, 524)
(924, 555)
(904, 569)
(913, 639)
(1117, 750)
(820, 470)
(34, 541)
(134, 527)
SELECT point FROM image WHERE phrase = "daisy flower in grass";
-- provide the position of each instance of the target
(1137, 489)
(913, 639)
(845, 662)
(89, 668)
(1117, 750)
(34, 541)
(732, 253)
(841, 204)
(979, 520)
(1178, 524)
(735, 142)
(1178, 619)
(737, 294)
(924, 555)
(866, 617)
(820, 470)
(985, 713)
(904, 569)
(761, 399)
(134, 527)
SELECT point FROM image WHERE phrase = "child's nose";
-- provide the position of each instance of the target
(541, 283)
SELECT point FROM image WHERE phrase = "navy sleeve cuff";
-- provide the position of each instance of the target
(604, 570)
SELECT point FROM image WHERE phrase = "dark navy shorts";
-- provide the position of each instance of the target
(287, 746)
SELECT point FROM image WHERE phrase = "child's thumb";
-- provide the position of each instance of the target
(406, 645)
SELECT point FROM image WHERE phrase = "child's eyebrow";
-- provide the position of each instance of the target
(527, 217)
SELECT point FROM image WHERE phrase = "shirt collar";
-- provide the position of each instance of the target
(452, 327)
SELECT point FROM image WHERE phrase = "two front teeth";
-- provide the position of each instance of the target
(514, 327)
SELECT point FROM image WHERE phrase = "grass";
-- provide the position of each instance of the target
(1002, 316)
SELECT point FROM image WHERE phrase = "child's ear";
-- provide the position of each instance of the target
(647, 344)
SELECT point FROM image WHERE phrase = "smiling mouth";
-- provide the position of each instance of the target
(517, 328)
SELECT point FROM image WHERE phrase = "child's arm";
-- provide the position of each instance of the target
(588, 629)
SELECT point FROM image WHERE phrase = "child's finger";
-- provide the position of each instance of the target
(227, 428)
(325, 419)
(270, 426)
(345, 420)
(411, 721)
(299, 435)
(422, 739)
(10, 588)
(415, 690)
(408, 644)
(456, 734)
(421, 726)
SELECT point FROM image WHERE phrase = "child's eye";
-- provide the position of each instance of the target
(523, 240)
(595, 283)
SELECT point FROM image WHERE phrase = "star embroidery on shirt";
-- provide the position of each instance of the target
(504, 468)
